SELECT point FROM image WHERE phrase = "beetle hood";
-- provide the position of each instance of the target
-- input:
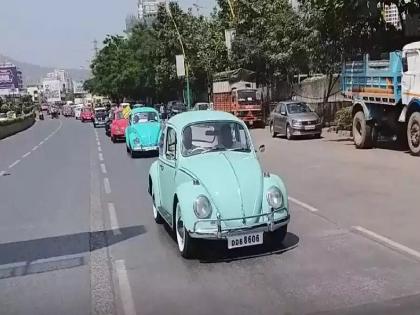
(233, 181)
(148, 133)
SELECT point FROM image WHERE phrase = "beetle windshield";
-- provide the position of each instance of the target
(207, 137)
(145, 117)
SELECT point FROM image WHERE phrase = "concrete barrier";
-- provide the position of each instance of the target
(17, 125)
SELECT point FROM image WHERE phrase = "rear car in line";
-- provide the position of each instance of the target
(142, 133)
(100, 117)
(117, 126)
(86, 114)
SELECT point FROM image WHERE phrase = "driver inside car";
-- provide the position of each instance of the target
(187, 140)
(225, 137)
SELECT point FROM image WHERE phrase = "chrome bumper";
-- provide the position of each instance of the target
(218, 232)
(146, 149)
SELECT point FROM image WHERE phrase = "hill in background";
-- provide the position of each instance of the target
(33, 74)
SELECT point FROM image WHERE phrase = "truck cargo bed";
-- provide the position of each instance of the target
(373, 81)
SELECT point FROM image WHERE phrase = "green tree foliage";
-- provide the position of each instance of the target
(272, 39)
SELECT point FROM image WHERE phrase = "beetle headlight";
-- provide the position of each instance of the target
(202, 207)
(275, 198)
(137, 141)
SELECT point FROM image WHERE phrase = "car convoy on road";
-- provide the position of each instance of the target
(200, 149)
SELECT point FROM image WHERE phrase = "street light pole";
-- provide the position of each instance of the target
(187, 77)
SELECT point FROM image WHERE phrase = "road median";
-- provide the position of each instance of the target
(13, 126)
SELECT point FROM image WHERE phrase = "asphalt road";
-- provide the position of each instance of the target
(77, 235)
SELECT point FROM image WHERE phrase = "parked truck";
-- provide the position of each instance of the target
(386, 97)
(236, 92)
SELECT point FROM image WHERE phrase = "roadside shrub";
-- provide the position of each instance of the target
(4, 108)
(344, 119)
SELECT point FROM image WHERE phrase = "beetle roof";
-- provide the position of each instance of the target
(186, 118)
(143, 110)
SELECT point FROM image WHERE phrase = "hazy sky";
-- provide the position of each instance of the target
(60, 32)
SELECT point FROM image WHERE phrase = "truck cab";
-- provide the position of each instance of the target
(236, 92)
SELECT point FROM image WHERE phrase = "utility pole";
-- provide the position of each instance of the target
(187, 78)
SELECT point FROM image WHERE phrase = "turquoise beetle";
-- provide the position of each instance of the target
(142, 132)
(208, 184)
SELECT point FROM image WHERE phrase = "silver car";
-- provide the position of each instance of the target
(292, 119)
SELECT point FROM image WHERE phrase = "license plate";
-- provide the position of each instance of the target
(245, 240)
(309, 127)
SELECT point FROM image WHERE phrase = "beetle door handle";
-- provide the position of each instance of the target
(161, 167)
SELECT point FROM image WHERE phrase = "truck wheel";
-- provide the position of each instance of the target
(413, 133)
(362, 132)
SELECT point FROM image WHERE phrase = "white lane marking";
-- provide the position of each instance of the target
(107, 185)
(101, 157)
(46, 139)
(98, 143)
(125, 288)
(303, 205)
(113, 219)
(14, 163)
(388, 242)
(35, 148)
(2, 173)
(56, 259)
(41, 143)
(99, 149)
(26, 154)
(103, 168)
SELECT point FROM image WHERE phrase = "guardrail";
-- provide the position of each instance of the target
(12, 126)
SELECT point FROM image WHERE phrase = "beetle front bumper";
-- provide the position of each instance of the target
(218, 232)
(146, 149)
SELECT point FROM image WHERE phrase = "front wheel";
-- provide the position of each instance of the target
(185, 242)
(273, 133)
(289, 132)
(413, 134)
(363, 136)
(113, 139)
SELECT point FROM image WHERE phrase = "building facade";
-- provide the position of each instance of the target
(392, 16)
(63, 76)
(10, 79)
(148, 9)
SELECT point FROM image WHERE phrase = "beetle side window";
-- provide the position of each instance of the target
(161, 142)
(170, 144)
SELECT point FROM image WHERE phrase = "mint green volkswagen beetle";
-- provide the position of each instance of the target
(208, 184)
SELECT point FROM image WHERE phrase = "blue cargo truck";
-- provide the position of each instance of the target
(386, 97)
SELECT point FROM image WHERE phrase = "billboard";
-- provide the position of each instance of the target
(9, 79)
(78, 87)
(52, 90)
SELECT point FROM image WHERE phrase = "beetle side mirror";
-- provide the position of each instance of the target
(261, 148)
(283, 113)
